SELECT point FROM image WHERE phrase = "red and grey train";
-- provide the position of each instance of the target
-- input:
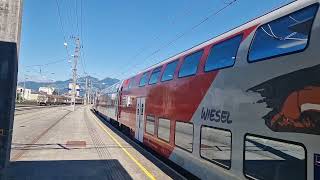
(243, 105)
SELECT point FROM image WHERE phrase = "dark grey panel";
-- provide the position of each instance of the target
(8, 81)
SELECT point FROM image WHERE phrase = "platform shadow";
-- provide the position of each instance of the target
(65, 170)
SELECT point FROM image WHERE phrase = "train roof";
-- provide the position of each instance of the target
(274, 14)
(112, 89)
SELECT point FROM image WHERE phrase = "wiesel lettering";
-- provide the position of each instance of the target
(217, 115)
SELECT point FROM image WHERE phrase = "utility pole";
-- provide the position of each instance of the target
(89, 92)
(96, 97)
(86, 93)
(24, 89)
(74, 73)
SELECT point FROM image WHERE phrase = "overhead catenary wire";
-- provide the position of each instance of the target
(79, 30)
(80, 39)
(82, 63)
(62, 28)
(69, 14)
(82, 58)
(74, 15)
(186, 12)
(60, 21)
(39, 67)
(81, 18)
(47, 64)
(181, 35)
(169, 43)
(77, 18)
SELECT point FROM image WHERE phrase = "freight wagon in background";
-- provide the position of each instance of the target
(45, 99)
(243, 105)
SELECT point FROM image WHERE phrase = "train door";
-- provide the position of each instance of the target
(120, 103)
(140, 115)
(116, 106)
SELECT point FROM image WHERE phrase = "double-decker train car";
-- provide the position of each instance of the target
(243, 105)
(108, 103)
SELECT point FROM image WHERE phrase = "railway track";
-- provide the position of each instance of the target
(30, 109)
(19, 154)
(27, 119)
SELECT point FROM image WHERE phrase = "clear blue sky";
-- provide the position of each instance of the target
(115, 32)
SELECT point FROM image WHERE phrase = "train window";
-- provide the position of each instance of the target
(267, 158)
(224, 54)
(164, 129)
(216, 146)
(155, 75)
(190, 64)
(282, 36)
(144, 79)
(184, 135)
(131, 83)
(150, 124)
(169, 71)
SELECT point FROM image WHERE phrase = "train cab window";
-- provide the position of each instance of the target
(144, 79)
(150, 124)
(155, 75)
(216, 146)
(190, 64)
(224, 54)
(282, 36)
(169, 71)
(184, 135)
(164, 129)
(131, 83)
(267, 158)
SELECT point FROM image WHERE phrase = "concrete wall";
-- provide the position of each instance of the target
(10, 32)
(10, 20)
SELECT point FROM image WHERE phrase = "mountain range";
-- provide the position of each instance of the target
(62, 86)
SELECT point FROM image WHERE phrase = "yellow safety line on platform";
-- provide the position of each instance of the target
(129, 155)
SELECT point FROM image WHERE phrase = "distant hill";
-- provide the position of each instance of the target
(109, 81)
(62, 86)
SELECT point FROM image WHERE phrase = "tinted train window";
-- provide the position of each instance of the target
(184, 135)
(155, 75)
(284, 35)
(216, 146)
(144, 79)
(150, 125)
(272, 159)
(169, 71)
(131, 83)
(190, 64)
(223, 54)
(164, 129)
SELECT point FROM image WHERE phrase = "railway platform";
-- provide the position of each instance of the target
(57, 143)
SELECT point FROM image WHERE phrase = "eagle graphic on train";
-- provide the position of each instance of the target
(294, 100)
